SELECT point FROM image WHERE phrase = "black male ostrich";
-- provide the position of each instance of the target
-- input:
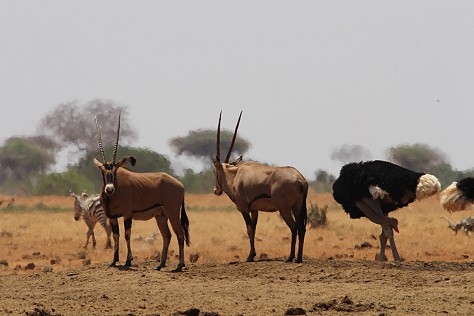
(373, 189)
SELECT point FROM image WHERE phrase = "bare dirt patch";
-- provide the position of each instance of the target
(44, 270)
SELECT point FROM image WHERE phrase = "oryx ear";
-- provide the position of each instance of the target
(98, 164)
(125, 160)
(237, 161)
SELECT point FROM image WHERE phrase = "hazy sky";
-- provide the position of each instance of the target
(310, 76)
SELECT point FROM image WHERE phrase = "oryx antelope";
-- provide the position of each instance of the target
(91, 211)
(142, 196)
(254, 187)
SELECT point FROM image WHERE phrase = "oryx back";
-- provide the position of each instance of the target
(142, 195)
(269, 188)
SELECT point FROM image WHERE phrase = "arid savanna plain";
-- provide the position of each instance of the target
(46, 270)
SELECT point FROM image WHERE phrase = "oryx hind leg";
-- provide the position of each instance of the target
(178, 230)
(162, 222)
(288, 218)
(127, 223)
(251, 223)
(301, 229)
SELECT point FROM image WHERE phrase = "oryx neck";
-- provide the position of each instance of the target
(230, 171)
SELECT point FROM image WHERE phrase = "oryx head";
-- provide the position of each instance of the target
(109, 169)
(218, 169)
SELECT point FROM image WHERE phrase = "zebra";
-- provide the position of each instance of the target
(92, 212)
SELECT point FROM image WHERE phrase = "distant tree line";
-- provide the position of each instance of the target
(417, 157)
(26, 162)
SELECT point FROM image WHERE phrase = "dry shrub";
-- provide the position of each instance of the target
(317, 217)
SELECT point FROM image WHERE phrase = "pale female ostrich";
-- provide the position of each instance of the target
(458, 196)
(373, 189)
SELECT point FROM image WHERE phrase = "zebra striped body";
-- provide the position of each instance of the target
(91, 211)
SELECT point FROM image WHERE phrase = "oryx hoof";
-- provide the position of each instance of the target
(179, 268)
(158, 268)
(250, 259)
(128, 263)
(299, 260)
(290, 259)
(113, 264)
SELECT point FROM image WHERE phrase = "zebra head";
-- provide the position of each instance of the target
(109, 169)
(78, 205)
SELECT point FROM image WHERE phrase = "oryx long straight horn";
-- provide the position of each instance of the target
(233, 140)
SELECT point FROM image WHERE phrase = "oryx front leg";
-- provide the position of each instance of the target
(162, 223)
(251, 223)
(116, 234)
(127, 223)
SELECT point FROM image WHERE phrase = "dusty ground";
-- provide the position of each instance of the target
(44, 270)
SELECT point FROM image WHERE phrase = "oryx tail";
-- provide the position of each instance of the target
(185, 224)
(303, 212)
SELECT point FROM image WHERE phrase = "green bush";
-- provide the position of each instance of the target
(201, 182)
(62, 184)
(317, 216)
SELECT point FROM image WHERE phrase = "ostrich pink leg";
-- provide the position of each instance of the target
(372, 210)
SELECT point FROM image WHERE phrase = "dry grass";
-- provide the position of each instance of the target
(218, 235)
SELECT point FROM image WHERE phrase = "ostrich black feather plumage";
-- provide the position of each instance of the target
(356, 178)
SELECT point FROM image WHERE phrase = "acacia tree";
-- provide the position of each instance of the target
(418, 157)
(72, 124)
(21, 157)
(201, 144)
(349, 153)
(22, 161)
(147, 161)
(323, 181)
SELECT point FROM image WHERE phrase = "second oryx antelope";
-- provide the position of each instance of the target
(255, 187)
(142, 196)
